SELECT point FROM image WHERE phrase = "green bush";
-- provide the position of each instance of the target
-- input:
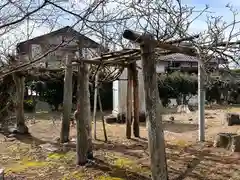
(179, 85)
(29, 105)
(176, 85)
(51, 91)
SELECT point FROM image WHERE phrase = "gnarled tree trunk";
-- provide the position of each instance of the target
(84, 123)
(153, 105)
(20, 87)
(154, 109)
(6, 93)
(67, 102)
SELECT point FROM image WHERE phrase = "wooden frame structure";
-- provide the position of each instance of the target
(127, 58)
(121, 59)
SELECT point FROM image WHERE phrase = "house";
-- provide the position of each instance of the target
(185, 63)
(67, 37)
(171, 62)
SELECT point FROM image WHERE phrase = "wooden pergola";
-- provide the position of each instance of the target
(118, 60)
(122, 59)
(127, 58)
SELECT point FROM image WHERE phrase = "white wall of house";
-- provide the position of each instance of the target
(120, 89)
(160, 67)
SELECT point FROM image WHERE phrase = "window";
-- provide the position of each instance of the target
(174, 64)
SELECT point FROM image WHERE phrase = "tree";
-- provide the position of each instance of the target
(50, 91)
(177, 85)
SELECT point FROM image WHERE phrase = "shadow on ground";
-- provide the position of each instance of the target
(194, 159)
(117, 172)
(177, 127)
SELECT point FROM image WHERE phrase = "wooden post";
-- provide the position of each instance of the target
(135, 100)
(67, 101)
(84, 122)
(201, 103)
(82, 116)
(155, 127)
(102, 115)
(95, 105)
(20, 87)
(129, 103)
(153, 106)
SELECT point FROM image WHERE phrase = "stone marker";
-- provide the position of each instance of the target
(230, 141)
(110, 119)
(232, 119)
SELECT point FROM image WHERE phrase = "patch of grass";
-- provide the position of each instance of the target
(55, 156)
(19, 148)
(181, 143)
(125, 163)
(26, 160)
(108, 178)
(76, 175)
(25, 165)
(61, 157)
(234, 109)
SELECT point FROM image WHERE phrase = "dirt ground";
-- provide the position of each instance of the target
(122, 159)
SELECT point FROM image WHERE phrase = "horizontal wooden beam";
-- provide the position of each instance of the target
(124, 51)
(138, 38)
(184, 39)
(177, 49)
(118, 62)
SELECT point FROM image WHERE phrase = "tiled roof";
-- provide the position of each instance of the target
(62, 31)
(184, 58)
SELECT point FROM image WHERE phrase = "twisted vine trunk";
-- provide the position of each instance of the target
(20, 87)
(84, 122)
(154, 109)
(67, 102)
(6, 93)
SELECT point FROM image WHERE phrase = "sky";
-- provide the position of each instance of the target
(216, 7)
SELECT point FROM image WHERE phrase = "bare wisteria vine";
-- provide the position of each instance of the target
(166, 20)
